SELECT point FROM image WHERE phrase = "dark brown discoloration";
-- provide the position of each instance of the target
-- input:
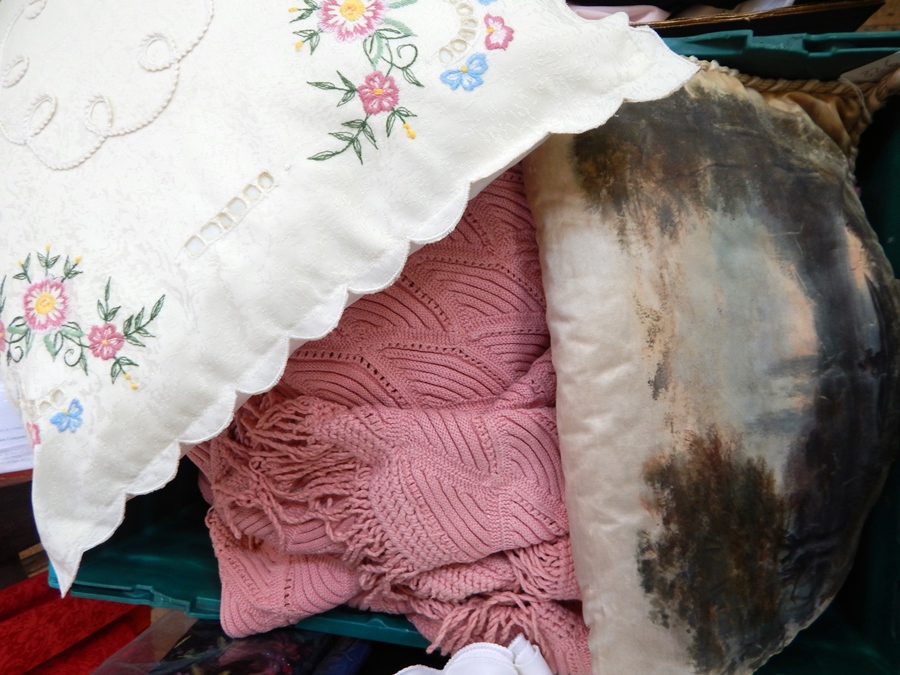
(715, 565)
(661, 378)
(657, 164)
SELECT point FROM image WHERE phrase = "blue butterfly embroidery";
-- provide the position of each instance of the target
(486, 2)
(468, 76)
(70, 419)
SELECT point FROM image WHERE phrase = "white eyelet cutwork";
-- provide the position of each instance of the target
(233, 213)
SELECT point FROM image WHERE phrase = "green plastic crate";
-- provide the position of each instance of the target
(162, 555)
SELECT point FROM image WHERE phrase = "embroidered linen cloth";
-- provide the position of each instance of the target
(194, 187)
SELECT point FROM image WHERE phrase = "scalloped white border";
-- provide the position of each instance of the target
(267, 371)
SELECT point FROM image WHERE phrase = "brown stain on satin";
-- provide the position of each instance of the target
(713, 565)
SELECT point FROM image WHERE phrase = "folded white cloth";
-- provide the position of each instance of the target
(193, 187)
(487, 658)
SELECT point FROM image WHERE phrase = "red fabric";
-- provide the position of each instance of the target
(85, 657)
(37, 625)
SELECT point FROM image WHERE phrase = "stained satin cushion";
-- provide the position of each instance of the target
(724, 328)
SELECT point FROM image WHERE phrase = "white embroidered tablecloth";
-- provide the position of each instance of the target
(193, 187)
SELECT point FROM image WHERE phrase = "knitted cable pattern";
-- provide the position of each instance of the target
(409, 461)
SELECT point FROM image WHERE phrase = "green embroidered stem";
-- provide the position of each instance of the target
(118, 368)
(135, 324)
(349, 89)
(352, 140)
(47, 261)
(398, 113)
(306, 12)
(24, 275)
(311, 37)
(70, 268)
(17, 332)
(107, 315)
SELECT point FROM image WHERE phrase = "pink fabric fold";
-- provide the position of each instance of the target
(409, 461)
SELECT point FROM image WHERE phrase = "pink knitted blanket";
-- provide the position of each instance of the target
(409, 461)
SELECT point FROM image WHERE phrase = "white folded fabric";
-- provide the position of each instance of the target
(193, 187)
(486, 658)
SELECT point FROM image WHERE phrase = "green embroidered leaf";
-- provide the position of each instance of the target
(18, 326)
(323, 85)
(71, 331)
(106, 292)
(157, 308)
(130, 339)
(392, 118)
(306, 13)
(29, 341)
(54, 344)
(409, 77)
(111, 314)
(305, 34)
(374, 47)
(357, 148)
(391, 34)
(139, 319)
(355, 124)
(70, 269)
(24, 274)
(126, 327)
(21, 276)
(313, 42)
(57, 344)
(397, 4)
(81, 362)
(402, 29)
(347, 83)
(343, 136)
(367, 131)
(322, 156)
(52, 262)
(143, 332)
(347, 98)
(403, 112)
(42, 259)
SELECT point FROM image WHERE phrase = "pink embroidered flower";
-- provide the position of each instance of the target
(499, 35)
(105, 341)
(46, 304)
(379, 93)
(34, 433)
(2, 338)
(351, 19)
